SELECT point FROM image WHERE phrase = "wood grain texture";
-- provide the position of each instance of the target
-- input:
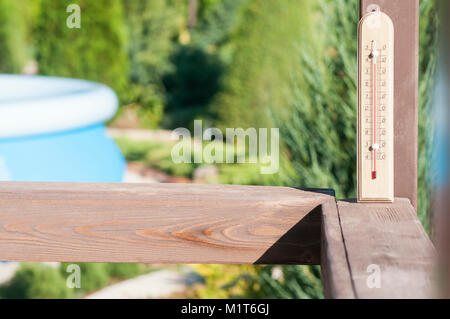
(336, 276)
(405, 15)
(159, 223)
(388, 236)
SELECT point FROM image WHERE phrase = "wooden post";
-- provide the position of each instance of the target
(193, 11)
(405, 15)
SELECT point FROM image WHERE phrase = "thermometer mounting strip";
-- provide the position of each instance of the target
(375, 135)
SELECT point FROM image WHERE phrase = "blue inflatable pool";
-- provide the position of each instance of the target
(51, 129)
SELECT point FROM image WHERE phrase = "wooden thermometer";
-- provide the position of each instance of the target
(375, 108)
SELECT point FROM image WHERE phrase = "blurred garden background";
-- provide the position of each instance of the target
(289, 64)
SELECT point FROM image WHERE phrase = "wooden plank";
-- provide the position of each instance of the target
(159, 223)
(385, 244)
(405, 15)
(336, 277)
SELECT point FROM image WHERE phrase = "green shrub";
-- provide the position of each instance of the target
(200, 66)
(135, 151)
(245, 281)
(152, 27)
(13, 33)
(204, 6)
(125, 271)
(321, 132)
(154, 154)
(225, 281)
(217, 25)
(93, 276)
(36, 281)
(287, 282)
(192, 84)
(95, 52)
(428, 35)
(262, 63)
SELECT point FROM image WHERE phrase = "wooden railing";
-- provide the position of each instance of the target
(159, 223)
(175, 223)
(365, 250)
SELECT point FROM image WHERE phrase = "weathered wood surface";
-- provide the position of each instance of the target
(336, 275)
(384, 237)
(405, 15)
(159, 223)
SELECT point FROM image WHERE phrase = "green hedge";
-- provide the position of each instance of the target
(95, 52)
(13, 34)
(199, 64)
(264, 56)
(428, 35)
(321, 133)
(192, 84)
(216, 28)
(36, 281)
(152, 28)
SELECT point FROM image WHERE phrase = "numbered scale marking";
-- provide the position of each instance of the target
(376, 108)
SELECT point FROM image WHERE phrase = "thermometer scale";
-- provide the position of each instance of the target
(375, 108)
